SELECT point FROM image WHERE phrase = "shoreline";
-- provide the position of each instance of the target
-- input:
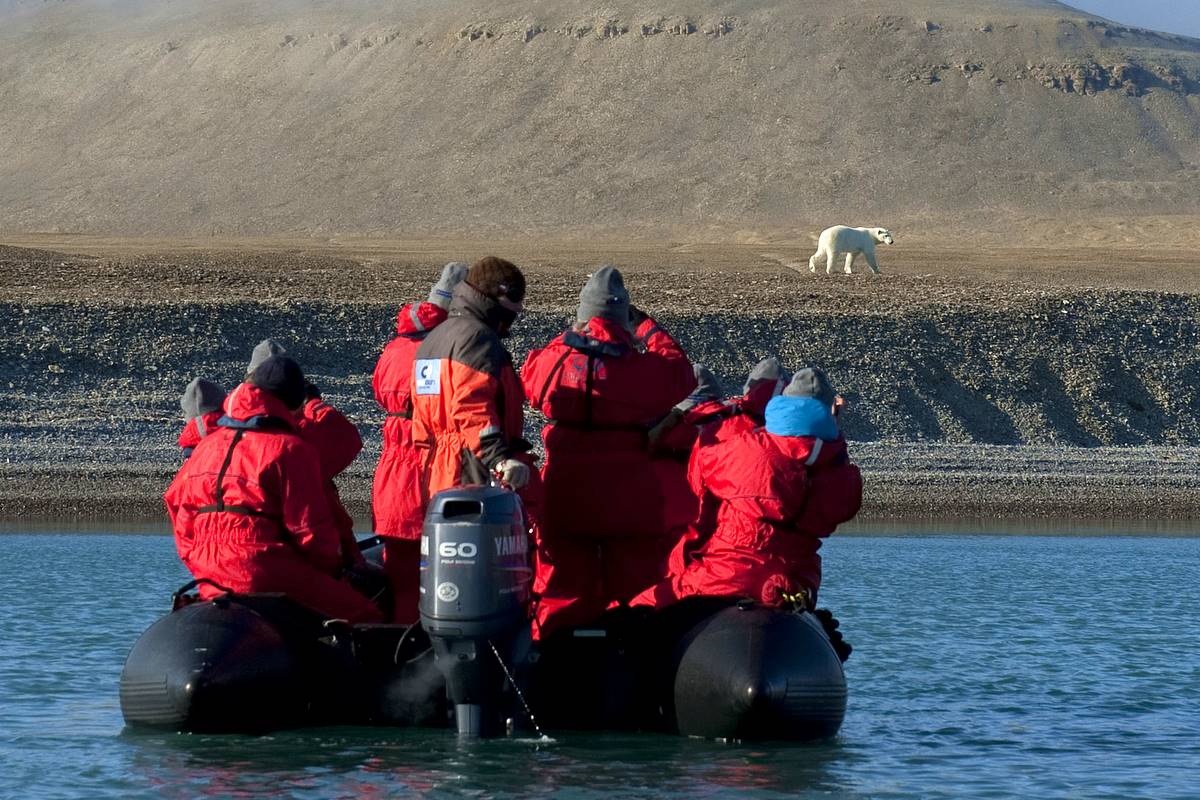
(905, 483)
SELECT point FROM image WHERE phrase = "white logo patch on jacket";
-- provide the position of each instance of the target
(428, 375)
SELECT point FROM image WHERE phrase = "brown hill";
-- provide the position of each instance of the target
(653, 117)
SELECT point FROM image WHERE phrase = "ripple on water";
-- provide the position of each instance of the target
(984, 666)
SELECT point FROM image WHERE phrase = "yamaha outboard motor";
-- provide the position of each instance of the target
(475, 582)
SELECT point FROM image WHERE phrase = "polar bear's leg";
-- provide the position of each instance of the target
(830, 255)
(850, 261)
(870, 254)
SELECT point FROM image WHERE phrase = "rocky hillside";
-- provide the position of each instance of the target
(654, 117)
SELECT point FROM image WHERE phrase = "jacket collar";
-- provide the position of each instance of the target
(470, 302)
(248, 406)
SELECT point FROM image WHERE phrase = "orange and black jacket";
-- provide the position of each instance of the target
(465, 392)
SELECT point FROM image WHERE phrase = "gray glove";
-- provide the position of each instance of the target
(513, 472)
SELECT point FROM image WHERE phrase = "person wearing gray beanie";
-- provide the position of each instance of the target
(397, 509)
(603, 385)
(201, 405)
(604, 295)
(770, 495)
(768, 369)
(443, 291)
(811, 382)
(707, 388)
(201, 397)
(262, 351)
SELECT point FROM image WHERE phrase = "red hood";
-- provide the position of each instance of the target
(247, 401)
(416, 319)
(605, 330)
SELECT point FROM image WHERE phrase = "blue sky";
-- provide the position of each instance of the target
(1174, 16)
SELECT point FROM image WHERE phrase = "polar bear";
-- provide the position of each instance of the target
(851, 241)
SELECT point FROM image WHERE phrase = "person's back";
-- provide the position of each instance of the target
(248, 508)
(397, 510)
(774, 493)
(337, 442)
(607, 516)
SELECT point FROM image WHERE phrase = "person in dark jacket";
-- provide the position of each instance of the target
(397, 511)
(248, 508)
(468, 406)
(201, 404)
(606, 530)
(776, 493)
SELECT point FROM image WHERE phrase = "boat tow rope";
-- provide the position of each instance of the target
(517, 689)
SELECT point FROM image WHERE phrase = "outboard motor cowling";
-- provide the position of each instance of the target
(475, 584)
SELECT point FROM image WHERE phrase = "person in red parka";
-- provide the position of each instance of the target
(707, 423)
(671, 443)
(201, 404)
(248, 508)
(777, 491)
(397, 512)
(602, 385)
(336, 440)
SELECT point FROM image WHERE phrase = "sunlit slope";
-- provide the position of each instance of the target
(549, 117)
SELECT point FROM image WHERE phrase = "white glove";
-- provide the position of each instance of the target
(514, 473)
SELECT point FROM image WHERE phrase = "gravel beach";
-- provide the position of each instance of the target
(1013, 384)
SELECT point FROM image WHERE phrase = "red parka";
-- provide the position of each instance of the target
(774, 498)
(702, 425)
(338, 443)
(397, 511)
(249, 511)
(196, 429)
(396, 507)
(605, 529)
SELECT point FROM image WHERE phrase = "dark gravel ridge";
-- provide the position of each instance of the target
(1043, 403)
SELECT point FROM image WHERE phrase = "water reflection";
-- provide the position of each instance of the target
(370, 762)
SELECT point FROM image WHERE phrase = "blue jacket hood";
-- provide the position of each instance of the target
(801, 416)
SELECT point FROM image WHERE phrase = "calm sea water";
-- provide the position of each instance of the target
(985, 666)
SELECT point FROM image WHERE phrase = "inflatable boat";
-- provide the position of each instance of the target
(708, 667)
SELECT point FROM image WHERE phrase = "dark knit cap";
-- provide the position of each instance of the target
(282, 377)
(769, 369)
(495, 277)
(811, 382)
(264, 350)
(201, 397)
(604, 295)
(707, 388)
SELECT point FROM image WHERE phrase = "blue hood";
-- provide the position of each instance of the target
(801, 416)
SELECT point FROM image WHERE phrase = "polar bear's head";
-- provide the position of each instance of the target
(882, 235)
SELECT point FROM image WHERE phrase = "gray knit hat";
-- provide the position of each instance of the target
(769, 369)
(264, 350)
(604, 295)
(443, 290)
(707, 388)
(201, 397)
(811, 382)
